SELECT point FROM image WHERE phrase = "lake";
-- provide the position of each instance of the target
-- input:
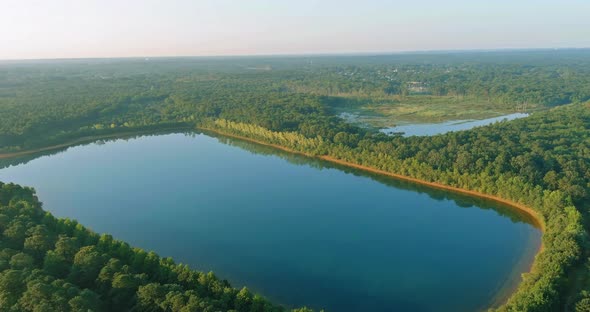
(299, 231)
(448, 126)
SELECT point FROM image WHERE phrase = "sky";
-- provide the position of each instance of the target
(31, 29)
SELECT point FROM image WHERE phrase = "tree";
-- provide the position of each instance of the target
(15, 234)
(38, 243)
(86, 266)
(67, 247)
(21, 261)
(149, 297)
(11, 287)
(56, 264)
(243, 299)
(86, 301)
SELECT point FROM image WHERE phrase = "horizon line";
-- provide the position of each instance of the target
(303, 54)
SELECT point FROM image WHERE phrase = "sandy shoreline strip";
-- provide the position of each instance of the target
(538, 221)
(522, 208)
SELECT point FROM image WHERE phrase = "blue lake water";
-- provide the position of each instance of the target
(297, 230)
(448, 126)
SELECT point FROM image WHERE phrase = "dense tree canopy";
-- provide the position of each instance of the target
(542, 161)
(48, 102)
(49, 264)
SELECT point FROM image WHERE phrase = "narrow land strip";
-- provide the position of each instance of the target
(503, 295)
(529, 211)
(86, 139)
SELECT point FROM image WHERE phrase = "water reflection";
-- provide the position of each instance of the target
(301, 231)
(448, 126)
(460, 200)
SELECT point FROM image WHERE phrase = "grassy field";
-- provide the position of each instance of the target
(394, 110)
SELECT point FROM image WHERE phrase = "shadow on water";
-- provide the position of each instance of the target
(504, 288)
(461, 200)
(22, 160)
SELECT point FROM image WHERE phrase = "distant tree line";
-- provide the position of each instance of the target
(542, 161)
(48, 103)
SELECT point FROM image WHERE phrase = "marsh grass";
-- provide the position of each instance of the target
(388, 111)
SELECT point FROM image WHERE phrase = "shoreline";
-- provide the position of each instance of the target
(501, 297)
(532, 214)
(85, 139)
(520, 207)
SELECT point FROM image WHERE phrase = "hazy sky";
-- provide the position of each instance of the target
(106, 28)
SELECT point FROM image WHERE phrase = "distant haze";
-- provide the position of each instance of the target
(124, 28)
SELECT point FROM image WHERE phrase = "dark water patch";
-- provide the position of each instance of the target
(300, 231)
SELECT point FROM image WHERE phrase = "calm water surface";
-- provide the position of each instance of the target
(298, 231)
(444, 127)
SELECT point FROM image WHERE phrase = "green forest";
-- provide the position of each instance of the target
(542, 161)
(44, 102)
(50, 264)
